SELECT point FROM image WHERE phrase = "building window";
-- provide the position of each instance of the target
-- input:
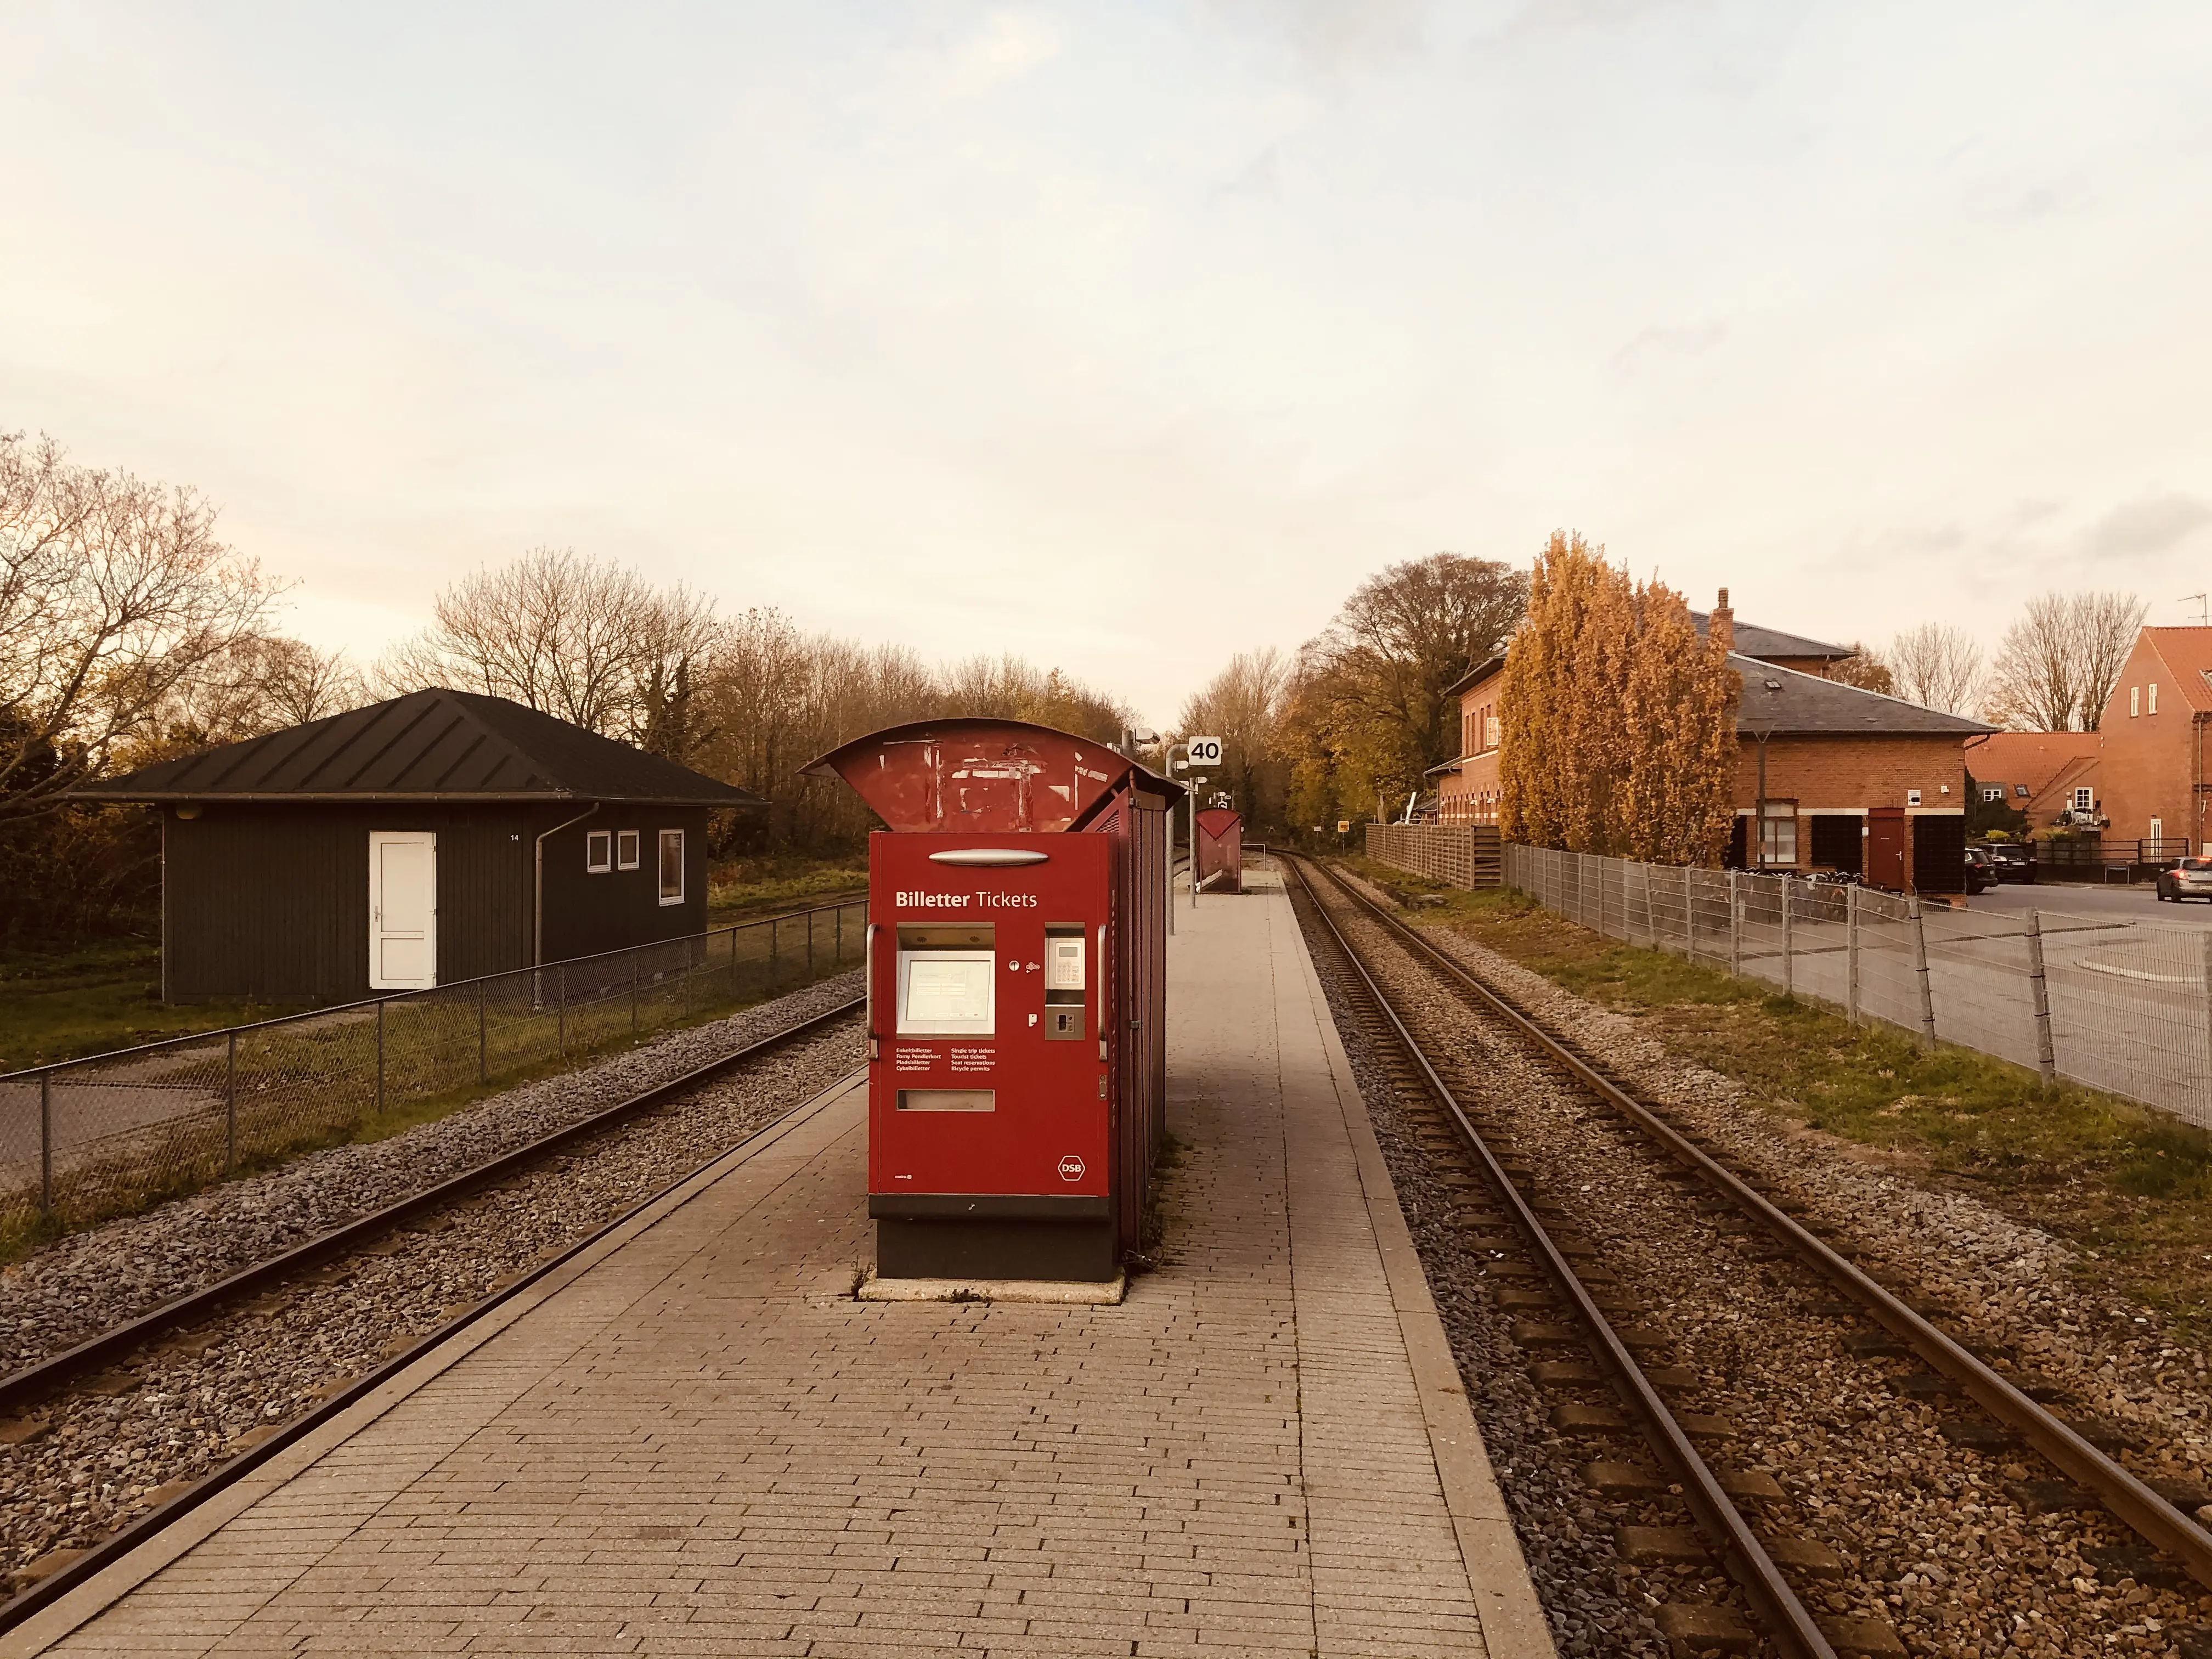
(1777, 833)
(626, 849)
(1993, 791)
(598, 852)
(2082, 801)
(2019, 791)
(2150, 702)
(2135, 701)
(671, 866)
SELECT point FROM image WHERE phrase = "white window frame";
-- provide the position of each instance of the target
(2150, 700)
(1783, 815)
(626, 842)
(2135, 701)
(598, 852)
(2082, 800)
(1993, 791)
(660, 865)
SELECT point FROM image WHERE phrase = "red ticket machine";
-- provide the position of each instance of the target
(1017, 986)
(1221, 851)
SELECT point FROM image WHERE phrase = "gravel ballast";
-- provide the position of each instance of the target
(1934, 1539)
(85, 1464)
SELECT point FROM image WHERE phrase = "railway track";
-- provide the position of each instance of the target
(228, 1311)
(1440, 1032)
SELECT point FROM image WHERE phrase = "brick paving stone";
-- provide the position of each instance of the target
(686, 1444)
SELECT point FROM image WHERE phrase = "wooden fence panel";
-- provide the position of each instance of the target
(1457, 855)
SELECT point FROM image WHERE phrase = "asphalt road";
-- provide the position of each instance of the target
(2075, 898)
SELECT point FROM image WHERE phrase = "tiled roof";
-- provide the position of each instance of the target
(1785, 702)
(2187, 652)
(427, 745)
(2034, 759)
(1752, 641)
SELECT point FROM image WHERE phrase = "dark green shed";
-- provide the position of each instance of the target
(435, 837)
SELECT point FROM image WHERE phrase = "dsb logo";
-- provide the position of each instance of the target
(1071, 1168)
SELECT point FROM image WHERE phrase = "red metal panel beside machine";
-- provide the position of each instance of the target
(1221, 851)
(1017, 981)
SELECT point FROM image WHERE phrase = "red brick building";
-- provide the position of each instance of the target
(2041, 774)
(2151, 779)
(1853, 780)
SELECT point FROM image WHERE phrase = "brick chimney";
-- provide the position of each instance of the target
(1722, 625)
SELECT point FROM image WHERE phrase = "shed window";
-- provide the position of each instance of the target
(598, 852)
(626, 849)
(671, 866)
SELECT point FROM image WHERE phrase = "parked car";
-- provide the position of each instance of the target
(1981, 874)
(2010, 861)
(2189, 879)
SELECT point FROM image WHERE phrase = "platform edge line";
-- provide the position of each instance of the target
(53, 1625)
(1513, 1624)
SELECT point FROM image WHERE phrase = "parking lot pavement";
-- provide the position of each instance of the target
(2077, 898)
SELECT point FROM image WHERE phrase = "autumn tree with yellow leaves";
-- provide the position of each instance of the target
(1617, 722)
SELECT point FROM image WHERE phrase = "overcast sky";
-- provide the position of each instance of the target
(1125, 335)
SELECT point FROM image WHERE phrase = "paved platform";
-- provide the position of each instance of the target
(695, 1441)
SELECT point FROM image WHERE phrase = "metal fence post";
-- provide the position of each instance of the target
(1736, 924)
(810, 944)
(1689, 914)
(2046, 1053)
(560, 1011)
(230, 1103)
(837, 936)
(380, 1055)
(1920, 972)
(773, 967)
(482, 1058)
(1851, 954)
(45, 1143)
(633, 994)
(1788, 942)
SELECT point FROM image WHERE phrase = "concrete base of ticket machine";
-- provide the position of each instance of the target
(1017, 997)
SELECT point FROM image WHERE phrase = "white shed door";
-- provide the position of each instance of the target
(402, 909)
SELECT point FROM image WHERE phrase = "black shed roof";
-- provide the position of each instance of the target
(1787, 703)
(428, 746)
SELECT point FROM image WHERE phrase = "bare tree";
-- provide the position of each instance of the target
(114, 594)
(2105, 630)
(1243, 705)
(591, 642)
(2057, 667)
(1937, 666)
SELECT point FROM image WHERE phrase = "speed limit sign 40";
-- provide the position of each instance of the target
(1204, 751)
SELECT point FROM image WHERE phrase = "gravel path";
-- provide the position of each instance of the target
(1932, 1537)
(88, 1462)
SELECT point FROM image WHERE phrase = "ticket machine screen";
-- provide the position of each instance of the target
(947, 987)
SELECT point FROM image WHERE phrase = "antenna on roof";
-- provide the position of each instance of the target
(2203, 620)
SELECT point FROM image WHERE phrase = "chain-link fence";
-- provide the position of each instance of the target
(2120, 1005)
(83, 1140)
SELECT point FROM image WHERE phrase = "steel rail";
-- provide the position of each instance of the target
(1742, 1556)
(114, 1548)
(2156, 1521)
(26, 1388)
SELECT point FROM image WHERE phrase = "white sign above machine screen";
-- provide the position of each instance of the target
(1204, 751)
